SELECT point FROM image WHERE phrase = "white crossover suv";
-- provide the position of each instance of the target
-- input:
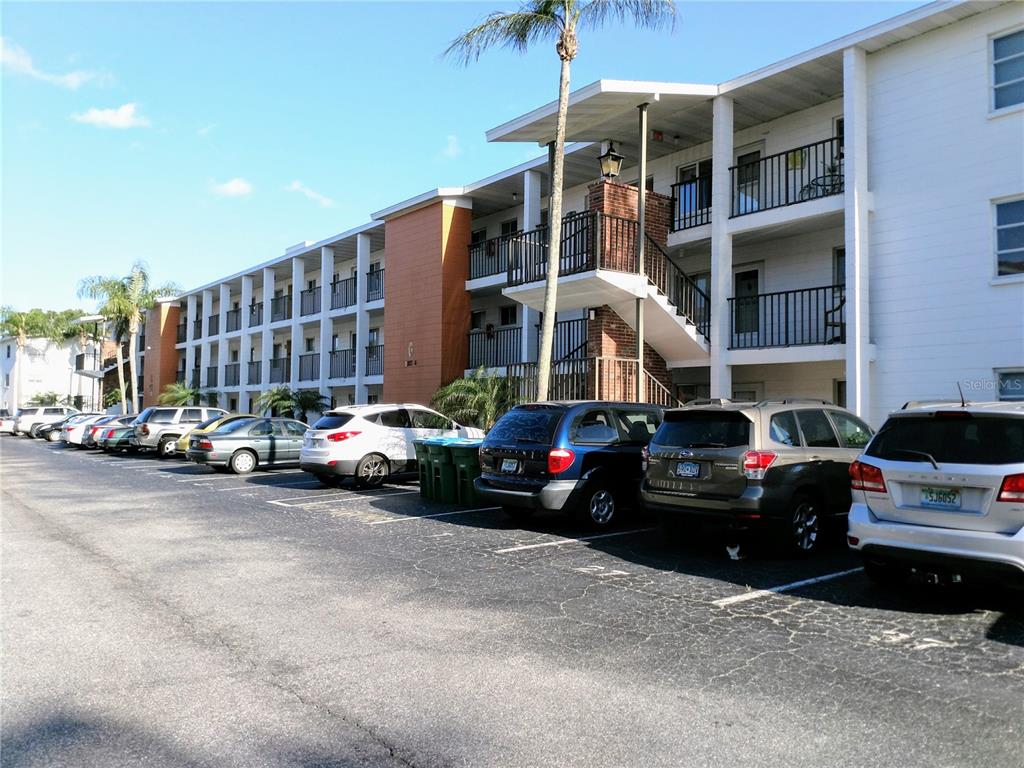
(371, 443)
(939, 491)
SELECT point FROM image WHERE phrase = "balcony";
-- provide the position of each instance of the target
(375, 360)
(309, 366)
(280, 370)
(493, 348)
(343, 293)
(570, 339)
(375, 285)
(213, 323)
(490, 257)
(281, 308)
(797, 175)
(589, 378)
(197, 329)
(211, 376)
(182, 335)
(256, 314)
(195, 378)
(309, 302)
(343, 364)
(255, 372)
(232, 374)
(691, 204)
(788, 318)
(233, 320)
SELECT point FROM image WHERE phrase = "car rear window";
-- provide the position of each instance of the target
(333, 421)
(208, 422)
(704, 429)
(957, 438)
(527, 425)
(234, 426)
(162, 417)
(143, 417)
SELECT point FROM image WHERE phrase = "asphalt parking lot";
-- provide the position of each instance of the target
(159, 613)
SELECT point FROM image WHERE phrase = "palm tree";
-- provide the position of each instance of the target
(308, 401)
(478, 399)
(34, 323)
(275, 400)
(178, 394)
(298, 402)
(124, 300)
(557, 20)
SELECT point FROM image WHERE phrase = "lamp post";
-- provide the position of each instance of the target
(611, 161)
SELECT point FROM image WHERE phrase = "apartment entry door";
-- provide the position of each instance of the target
(746, 310)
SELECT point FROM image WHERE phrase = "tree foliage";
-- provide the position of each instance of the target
(479, 399)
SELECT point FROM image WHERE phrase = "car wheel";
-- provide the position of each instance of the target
(598, 508)
(52, 437)
(804, 527)
(242, 462)
(166, 447)
(886, 574)
(518, 514)
(371, 471)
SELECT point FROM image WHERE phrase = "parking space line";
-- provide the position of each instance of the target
(561, 541)
(758, 593)
(320, 497)
(438, 514)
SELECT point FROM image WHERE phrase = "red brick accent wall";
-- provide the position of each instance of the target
(621, 200)
(608, 335)
(161, 362)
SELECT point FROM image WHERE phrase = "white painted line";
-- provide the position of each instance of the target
(438, 514)
(571, 541)
(758, 593)
(321, 496)
(234, 488)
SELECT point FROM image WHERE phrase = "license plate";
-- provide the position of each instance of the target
(687, 469)
(509, 465)
(944, 498)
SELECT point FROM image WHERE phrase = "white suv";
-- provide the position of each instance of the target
(939, 491)
(33, 415)
(158, 428)
(372, 442)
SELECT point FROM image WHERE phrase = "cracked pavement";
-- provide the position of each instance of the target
(158, 613)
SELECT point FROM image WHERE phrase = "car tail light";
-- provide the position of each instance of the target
(337, 437)
(756, 463)
(1012, 488)
(144, 429)
(559, 460)
(645, 456)
(205, 444)
(110, 434)
(865, 477)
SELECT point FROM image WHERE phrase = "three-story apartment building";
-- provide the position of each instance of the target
(845, 224)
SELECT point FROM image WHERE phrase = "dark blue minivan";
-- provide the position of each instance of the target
(579, 457)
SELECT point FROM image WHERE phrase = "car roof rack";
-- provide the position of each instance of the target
(795, 401)
(709, 401)
(935, 401)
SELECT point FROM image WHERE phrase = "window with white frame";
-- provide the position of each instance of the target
(509, 315)
(1008, 70)
(476, 320)
(1010, 238)
(1011, 385)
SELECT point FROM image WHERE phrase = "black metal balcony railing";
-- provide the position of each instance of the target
(691, 203)
(213, 323)
(375, 284)
(590, 378)
(281, 308)
(211, 376)
(233, 320)
(788, 318)
(343, 363)
(195, 378)
(794, 176)
(684, 294)
(309, 301)
(495, 347)
(232, 374)
(490, 257)
(343, 293)
(570, 339)
(280, 370)
(256, 314)
(375, 360)
(197, 329)
(255, 372)
(182, 332)
(309, 366)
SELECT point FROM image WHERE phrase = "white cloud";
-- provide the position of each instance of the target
(451, 148)
(298, 186)
(205, 130)
(16, 59)
(124, 116)
(236, 187)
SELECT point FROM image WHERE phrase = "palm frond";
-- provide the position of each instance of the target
(647, 14)
(178, 394)
(538, 20)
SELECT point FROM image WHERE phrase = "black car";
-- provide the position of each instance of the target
(579, 457)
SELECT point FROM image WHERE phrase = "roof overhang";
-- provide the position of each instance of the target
(440, 194)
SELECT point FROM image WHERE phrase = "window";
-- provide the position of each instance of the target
(428, 420)
(639, 426)
(476, 320)
(373, 337)
(839, 131)
(649, 186)
(1008, 70)
(839, 392)
(233, 403)
(852, 431)
(395, 419)
(477, 236)
(509, 314)
(950, 437)
(261, 428)
(295, 428)
(191, 416)
(593, 427)
(1011, 385)
(694, 192)
(311, 285)
(1010, 238)
(782, 429)
(510, 227)
(817, 429)
(310, 345)
(372, 399)
(839, 266)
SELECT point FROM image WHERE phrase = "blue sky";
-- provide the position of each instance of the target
(204, 138)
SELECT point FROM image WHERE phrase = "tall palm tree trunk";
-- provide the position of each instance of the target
(133, 360)
(120, 376)
(547, 333)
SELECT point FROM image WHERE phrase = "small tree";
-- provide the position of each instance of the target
(479, 399)
(178, 394)
(44, 398)
(309, 401)
(275, 400)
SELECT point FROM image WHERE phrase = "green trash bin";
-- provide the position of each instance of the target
(465, 456)
(442, 470)
(423, 467)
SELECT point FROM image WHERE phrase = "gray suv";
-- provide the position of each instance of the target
(158, 428)
(780, 465)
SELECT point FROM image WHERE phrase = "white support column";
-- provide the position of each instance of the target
(191, 347)
(222, 343)
(721, 245)
(531, 221)
(267, 344)
(855, 162)
(326, 276)
(205, 349)
(246, 341)
(190, 314)
(298, 284)
(362, 317)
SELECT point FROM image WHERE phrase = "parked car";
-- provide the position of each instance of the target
(779, 465)
(32, 415)
(203, 427)
(6, 422)
(158, 428)
(940, 491)
(372, 443)
(583, 458)
(73, 430)
(117, 437)
(242, 445)
(51, 431)
(92, 431)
